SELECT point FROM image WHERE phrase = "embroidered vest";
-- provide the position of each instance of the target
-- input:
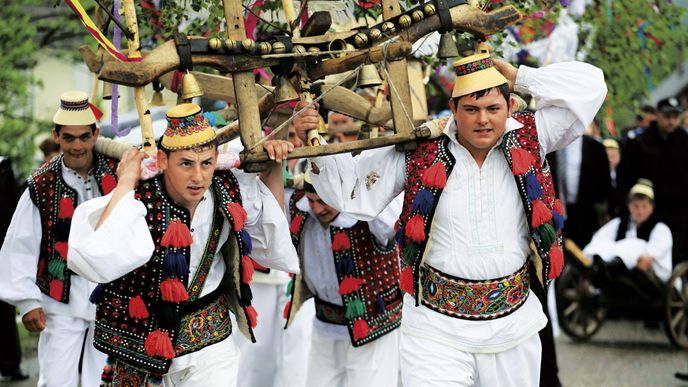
(138, 315)
(56, 201)
(368, 277)
(643, 232)
(427, 169)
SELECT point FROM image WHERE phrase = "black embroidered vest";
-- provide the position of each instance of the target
(56, 201)
(643, 232)
(368, 277)
(427, 169)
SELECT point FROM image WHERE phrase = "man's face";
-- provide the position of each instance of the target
(188, 174)
(647, 119)
(667, 122)
(337, 122)
(614, 157)
(76, 144)
(325, 213)
(294, 138)
(480, 122)
(640, 209)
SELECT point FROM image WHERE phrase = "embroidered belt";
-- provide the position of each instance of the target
(329, 313)
(473, 300)
(206, 322)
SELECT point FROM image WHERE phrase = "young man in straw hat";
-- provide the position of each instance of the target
(476, 199)
(173, 254)
(52, 299)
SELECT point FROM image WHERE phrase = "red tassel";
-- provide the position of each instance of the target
(415, 228)
(435, 176)
(238, 214)
(66, 208)
(287, 308)
(350, 285)
(556, 262)
(62, 248)
(158, 343)
(406, 280)
(172, 290)
(246, 269)
(558, 207)
(341, 241)
(361, 329)
(108, 182)
(137, 308)
(541, 214)
(96, 112)
(177, 235)
(258, 266)
(521, 161)
(252, 316)
(295, 224)
(56, 289)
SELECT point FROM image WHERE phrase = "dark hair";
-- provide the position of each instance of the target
(639, 196)
(58, 127)
(211, 145)
(503, 89)
(48, 146)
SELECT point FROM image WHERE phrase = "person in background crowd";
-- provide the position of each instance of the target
(49, 148)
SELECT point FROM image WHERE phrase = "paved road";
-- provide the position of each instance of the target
(621, 354)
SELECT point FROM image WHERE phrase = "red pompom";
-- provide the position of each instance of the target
(238, 214)
(521, 161)
(406, 280)
(341, 241)
(435, 176)
(295, 224)
(62, 248)
(287, 309)
(558, 207)
(137, 308)
(108, 182)
(541, 214)
(177, 235)
(246, 269)
(556, 262)
(66, 208)
(158, 343)
(252, 316)
(415, 228)
(56, 287)
(172, 290)
(258, 266)
(361, 329)
(350, 285)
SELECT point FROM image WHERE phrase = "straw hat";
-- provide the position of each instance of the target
(187, 128)
(475, 73)
(610, 143)
(642, 187)
(75, 110)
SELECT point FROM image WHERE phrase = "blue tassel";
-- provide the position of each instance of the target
(380, 303)
(558, 220)
(97, 294)
(210, 117)
(246, 241)
(175, 265)
(423, 202)
(533, 188)
(345, 265)
(399, 236)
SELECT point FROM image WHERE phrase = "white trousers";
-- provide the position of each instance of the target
(278, 358)
(212, 366)
(59, 349)
(336, 363)
(429, 363)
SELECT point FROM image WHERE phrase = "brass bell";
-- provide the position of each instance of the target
(107, 91)
(285, 90)
(337, 45)
(361, 39)
(429, 9)
(417, 15)
(368, 76)
(248, 44)
(231, 44)
(299, 49)
(447, 47)
(313, 49)
(157, 94)
(388, 28)
(405, 21)
(279, 48)
(264, 48)
(375, 34)
(215, 44)
(190, 87)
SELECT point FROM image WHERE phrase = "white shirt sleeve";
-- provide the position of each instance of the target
(659, 246)
(382, 227)
(360, 186)
(567, 96)
(121, 244)
(267, 225)
(19, 257)
(603, 241)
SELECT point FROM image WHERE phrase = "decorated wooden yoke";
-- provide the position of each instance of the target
(56, 201)
(427, 168)
(368, 278)
(151, 315)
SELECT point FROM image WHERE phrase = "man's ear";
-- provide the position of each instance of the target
(162, 160)
(56, 137)
(452, 106)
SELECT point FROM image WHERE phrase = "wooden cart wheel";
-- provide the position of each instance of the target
(580, 308)
(676, 304)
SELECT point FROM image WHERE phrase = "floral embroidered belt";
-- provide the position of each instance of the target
(330, 313)
(473, 299)
(206, 322)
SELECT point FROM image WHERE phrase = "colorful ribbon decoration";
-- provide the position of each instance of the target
(97, 34)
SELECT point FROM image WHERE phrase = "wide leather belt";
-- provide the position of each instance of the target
(330, 313)
(473, 300)
(206, 322)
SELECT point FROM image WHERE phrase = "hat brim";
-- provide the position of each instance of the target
(74, 118)
(670, 110)
(479, 80)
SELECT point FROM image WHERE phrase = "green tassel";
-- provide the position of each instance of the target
(354, 309)
(290, 288)
(548, 236)
(56, 267)
(410, 253)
